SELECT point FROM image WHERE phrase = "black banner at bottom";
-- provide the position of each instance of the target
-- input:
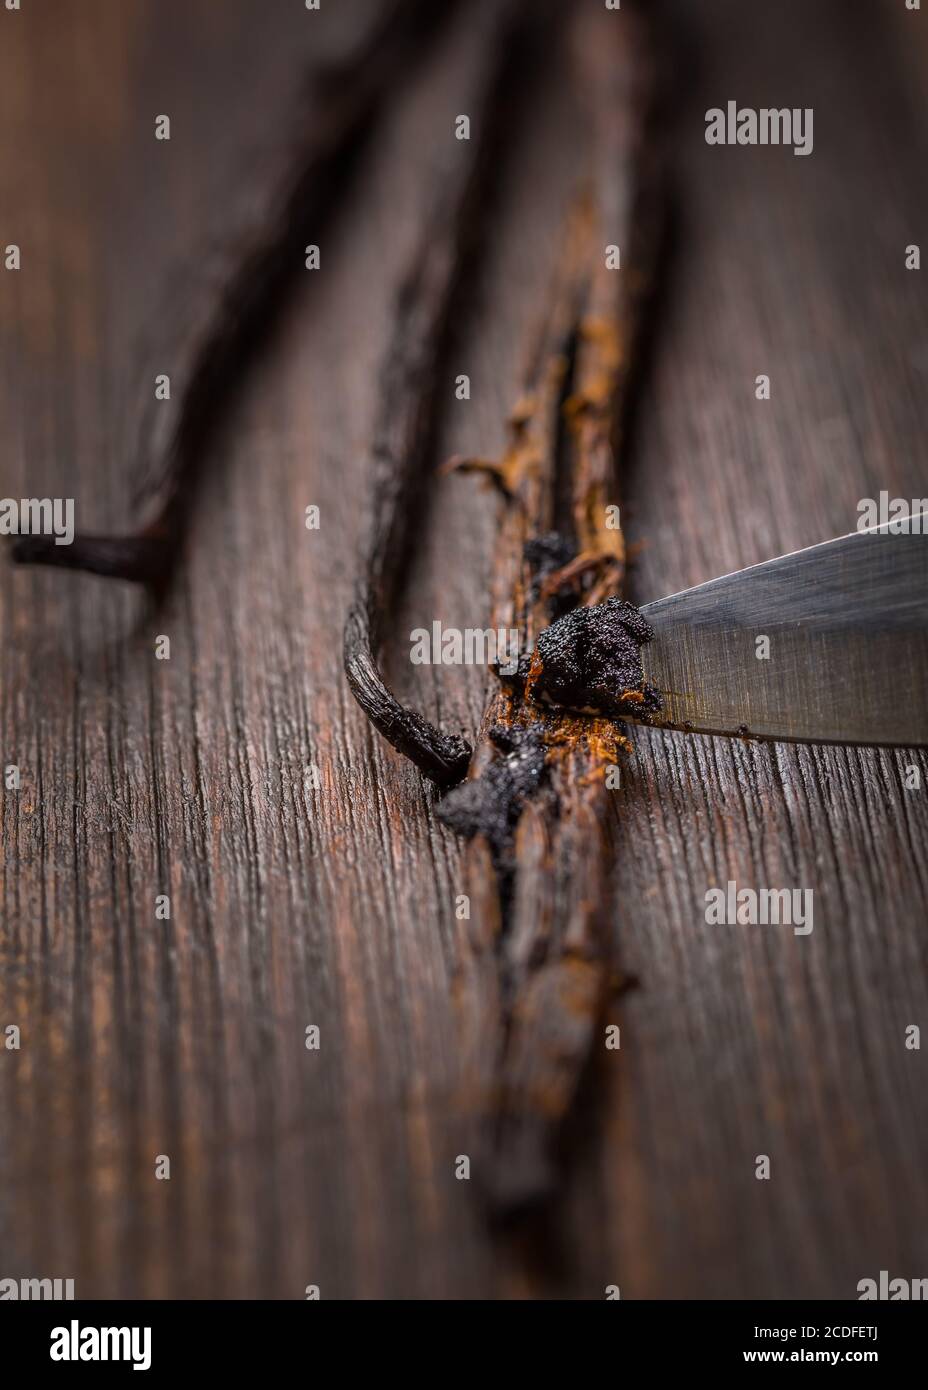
(240, 1339)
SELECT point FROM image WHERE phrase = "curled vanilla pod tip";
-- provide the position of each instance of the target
(444, 758)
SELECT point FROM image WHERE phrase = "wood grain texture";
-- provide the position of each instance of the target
(334, 905)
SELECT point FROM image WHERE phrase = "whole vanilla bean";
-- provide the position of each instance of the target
(414, 382)
(230, 305)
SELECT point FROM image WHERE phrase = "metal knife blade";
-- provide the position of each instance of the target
(847, 629)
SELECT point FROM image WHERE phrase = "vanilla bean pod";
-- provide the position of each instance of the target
(414, 385)
(230, 306)
(535, 964)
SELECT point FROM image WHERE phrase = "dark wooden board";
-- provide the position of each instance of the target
(294, 905)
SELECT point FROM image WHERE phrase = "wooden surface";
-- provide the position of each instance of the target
(294, 905)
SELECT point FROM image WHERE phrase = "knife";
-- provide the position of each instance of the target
(846, 655)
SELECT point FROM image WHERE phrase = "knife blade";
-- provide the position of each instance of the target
(846, 655)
